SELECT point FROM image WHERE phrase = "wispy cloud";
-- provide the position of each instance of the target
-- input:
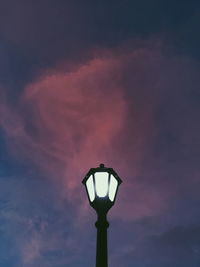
(134, 110)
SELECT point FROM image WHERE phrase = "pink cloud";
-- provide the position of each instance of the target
(67, 122)
(102, 111)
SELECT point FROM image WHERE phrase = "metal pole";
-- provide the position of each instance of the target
(102, 250)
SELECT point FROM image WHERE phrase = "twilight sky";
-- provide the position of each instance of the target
(89, 82)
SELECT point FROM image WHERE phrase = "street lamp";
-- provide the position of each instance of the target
(102, 185)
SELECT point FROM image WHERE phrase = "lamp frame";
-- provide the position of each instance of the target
(102, 203)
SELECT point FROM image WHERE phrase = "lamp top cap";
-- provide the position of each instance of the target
(101, 168)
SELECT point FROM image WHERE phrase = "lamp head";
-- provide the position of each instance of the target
(102, 185)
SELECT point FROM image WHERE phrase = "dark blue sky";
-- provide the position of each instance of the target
(85, 82)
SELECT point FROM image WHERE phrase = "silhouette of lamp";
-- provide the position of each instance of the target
(102, 185)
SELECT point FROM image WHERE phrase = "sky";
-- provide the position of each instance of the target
(90, 82)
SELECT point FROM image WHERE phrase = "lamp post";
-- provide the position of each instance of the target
(102, 185)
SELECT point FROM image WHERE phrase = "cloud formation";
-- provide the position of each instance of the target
(109, 109)
(134, 109)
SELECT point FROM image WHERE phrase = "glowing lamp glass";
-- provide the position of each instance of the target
(112, 188)
(90, 188)
(101, 183)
